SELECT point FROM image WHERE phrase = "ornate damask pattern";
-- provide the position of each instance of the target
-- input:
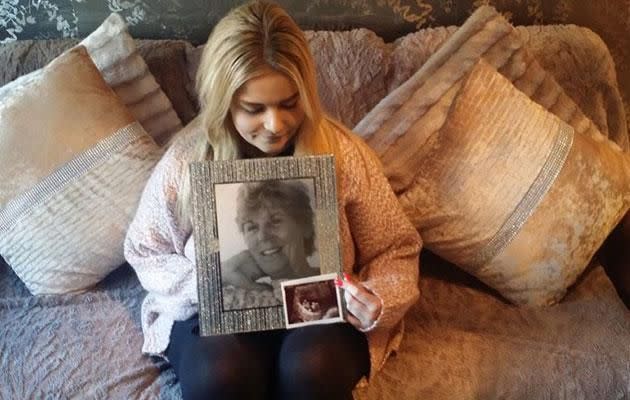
(29, 19)
(193, 19)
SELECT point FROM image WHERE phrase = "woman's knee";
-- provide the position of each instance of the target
(307, 367)
(219, 379)
(217, 368)
(309, 375)
(322, 362)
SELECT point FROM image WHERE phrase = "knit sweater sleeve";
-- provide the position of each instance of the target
(156, 238)
(386, 244)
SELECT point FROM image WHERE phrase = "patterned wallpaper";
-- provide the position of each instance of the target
(192, 19)
(26, 19)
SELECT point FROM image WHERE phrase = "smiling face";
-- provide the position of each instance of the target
(267, 113)
(267, 231)
(277, 223)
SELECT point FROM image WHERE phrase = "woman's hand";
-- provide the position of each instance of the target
(242, 271)
(364, 307)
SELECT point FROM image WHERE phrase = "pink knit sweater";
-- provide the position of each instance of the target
(379, 246)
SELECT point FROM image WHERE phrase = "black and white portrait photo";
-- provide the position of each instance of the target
(266, 235)
(258, 223)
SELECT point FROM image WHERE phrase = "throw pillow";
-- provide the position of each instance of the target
(114, 52)
(567, 52)
(73, 162)
(167, 61)
(507, 191)
(399, 125)
(123, 67)
(581, 63)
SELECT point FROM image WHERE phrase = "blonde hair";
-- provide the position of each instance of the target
(245, 44)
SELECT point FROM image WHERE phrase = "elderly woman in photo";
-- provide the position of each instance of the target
(276, 220)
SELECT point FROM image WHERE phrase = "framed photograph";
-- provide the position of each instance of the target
(256, 224)
(313, 300)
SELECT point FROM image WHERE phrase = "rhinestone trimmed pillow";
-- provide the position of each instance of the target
(73, 163)
(508, 192)
(121, 64)
(415, 110)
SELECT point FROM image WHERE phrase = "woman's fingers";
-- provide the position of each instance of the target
(363, 296)
(354, 321)
(359, 311)
(363, 305)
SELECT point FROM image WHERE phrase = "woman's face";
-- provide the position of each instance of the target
(268, 232)
(267, 113)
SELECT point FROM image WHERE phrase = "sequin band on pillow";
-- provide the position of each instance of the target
(68, 172)
(548, 174)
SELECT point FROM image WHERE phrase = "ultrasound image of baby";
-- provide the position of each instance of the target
(312, 302)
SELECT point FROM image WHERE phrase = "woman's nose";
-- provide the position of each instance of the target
(265, 232)
(273, 121)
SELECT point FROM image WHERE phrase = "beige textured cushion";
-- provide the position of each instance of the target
(575, 56)
(114, 52)
(408, 116)
(73, 162)
(352, 68)
(508, 192)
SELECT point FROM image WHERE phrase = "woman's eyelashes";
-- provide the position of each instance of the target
(290, 104)
(253, 109)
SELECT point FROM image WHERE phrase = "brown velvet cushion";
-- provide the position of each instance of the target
(73, 162)
(581, 63)
(508, 192)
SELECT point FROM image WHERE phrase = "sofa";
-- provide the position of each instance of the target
(463, 338)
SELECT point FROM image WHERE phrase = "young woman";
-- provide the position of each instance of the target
(258, 95)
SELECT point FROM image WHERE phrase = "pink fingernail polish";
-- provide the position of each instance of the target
(346, 276)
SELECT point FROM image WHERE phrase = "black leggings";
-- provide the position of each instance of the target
(315, 362)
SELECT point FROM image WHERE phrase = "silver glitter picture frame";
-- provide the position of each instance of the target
(256, 310)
